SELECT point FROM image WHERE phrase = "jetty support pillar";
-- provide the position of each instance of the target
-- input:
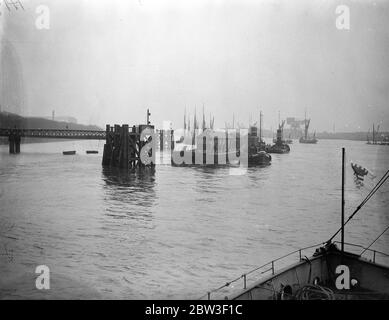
(11, 140)
(107, 146)
(14, 140)
(17, 143)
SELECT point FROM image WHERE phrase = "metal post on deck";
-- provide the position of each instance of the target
(342, 218)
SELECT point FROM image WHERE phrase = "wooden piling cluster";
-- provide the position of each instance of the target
(124, 145)
(166, 139)
(14, 140)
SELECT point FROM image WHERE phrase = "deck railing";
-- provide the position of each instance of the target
(265, 268)
(271, 267)
(373, 253)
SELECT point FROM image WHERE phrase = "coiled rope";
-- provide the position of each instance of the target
(314, 292)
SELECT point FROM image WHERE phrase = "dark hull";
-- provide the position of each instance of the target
(68, 153)
(278, 149)
(194, 154)
(287, 141)
(358, 170)
(260, 158)
(308, 141)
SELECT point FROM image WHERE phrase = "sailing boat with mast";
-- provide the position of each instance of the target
(306, 138)
(375, 135)
(207, 146)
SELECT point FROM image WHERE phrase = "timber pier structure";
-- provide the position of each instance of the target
(125, 147)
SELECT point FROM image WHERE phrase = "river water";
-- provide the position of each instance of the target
(177, 232)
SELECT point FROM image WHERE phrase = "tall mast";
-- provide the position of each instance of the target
(260, 126)
(148, 117)
(185, 120)
(203, 119)
(342, 218)
(194, 128)
(195, 120)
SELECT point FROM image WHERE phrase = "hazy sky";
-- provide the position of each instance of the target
(107, 61)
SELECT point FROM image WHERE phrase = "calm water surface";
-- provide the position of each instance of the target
(175, 233)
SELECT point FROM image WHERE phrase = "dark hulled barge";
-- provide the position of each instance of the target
(306, 138)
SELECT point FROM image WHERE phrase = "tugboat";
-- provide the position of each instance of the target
(306, 138)
(257, 155)
(280, 146)
(330, 273)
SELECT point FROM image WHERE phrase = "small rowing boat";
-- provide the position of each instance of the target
(359, 171)
(68, 153)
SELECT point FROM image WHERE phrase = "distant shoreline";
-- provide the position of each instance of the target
(356, 136)
(11, 120)
(30, 140)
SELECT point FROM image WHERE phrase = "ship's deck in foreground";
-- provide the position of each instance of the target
(316, 278)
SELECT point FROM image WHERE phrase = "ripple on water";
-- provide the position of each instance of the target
(174, 233)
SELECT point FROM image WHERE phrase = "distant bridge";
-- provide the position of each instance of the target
(54, 133)
(131, 145)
